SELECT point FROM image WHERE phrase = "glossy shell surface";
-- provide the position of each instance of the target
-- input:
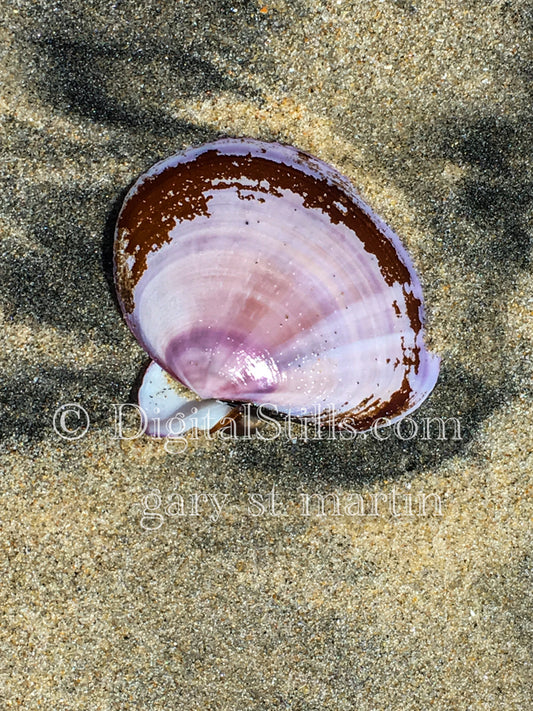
(253, 272)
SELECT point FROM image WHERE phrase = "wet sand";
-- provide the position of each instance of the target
(415, 592)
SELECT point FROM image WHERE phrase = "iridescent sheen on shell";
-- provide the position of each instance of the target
(253, 272)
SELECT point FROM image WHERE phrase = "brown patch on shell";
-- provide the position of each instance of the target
(179, 193)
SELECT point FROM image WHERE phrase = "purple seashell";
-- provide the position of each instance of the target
(253, 272)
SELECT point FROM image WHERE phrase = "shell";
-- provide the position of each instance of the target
(253, 272)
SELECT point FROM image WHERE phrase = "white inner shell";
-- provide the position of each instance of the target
(292, 311)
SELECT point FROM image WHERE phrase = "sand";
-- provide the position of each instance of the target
(413, 590)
